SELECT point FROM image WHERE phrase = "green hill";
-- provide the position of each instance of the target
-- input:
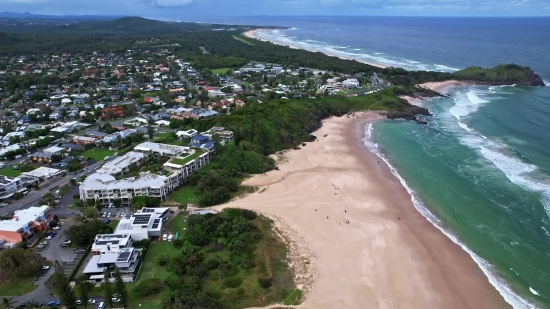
(505, 74)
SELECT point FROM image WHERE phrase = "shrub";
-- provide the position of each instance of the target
(178, 243)
(211, 264)
(232, 282)
(249, 214)
(163, 260)
(265, 283)
(148, 287)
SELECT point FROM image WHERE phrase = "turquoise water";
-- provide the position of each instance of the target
(480, 171)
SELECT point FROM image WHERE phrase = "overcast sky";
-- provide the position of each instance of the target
(184, 9)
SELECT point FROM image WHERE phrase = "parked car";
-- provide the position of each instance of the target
(104, 215)
(2, 165)
(164, 237)
(91, 301)
(48, 237)
(108, 215)
(54, 303)
(15, 167)
(56, 227)
(40, 247)
(78, 301)
(45, 267)
(111, 205)
(170, 237)
(44, 243)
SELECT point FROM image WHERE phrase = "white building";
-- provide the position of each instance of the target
(140, 225)
(8, 186)
(54, 150)
(107, 189)
(111, 243)
(25, 223)
(122, 164)
(351, 83)
(187, 134)
(41, 173)
(126, 260)
(161, 149)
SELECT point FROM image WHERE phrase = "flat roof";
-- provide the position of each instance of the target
(99, 181)
(22, 217)
(117, 165)
(162, 148)
(42, 172)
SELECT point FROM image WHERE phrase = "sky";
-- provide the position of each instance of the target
(189, 9)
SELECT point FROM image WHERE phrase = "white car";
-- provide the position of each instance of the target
(56, 227)
(115, 300)
(45, 267)
(48, 238)
(91, 301)
(111, 205)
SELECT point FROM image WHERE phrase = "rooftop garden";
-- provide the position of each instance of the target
(189, 158)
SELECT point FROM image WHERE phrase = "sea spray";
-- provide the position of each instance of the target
(516, 301)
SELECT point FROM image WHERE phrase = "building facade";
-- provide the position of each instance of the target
(25, 223)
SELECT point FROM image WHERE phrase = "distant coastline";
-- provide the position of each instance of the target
(253, 35)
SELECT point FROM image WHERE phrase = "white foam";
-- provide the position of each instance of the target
(546, 231)
(445, 68)
(516, 301)
(533, 291)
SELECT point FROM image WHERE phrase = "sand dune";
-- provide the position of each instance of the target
(388, 256)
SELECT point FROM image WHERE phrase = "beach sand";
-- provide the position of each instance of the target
(443, 87)
(388, 256)
(252, 34)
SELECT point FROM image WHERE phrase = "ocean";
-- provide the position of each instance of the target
(480, 169)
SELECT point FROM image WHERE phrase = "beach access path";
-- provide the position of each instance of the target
(356, 240)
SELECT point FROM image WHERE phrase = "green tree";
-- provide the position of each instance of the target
(120, 288)
(84, 288)
(117, 203)
(72, 181)
(19, 263)
(62, 286)
(108, 288)
(7, 303)
(98, 205)
(84, 234)
(56, 158)
(90, 212)
(150, 132)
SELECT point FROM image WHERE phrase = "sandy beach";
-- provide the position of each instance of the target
(387, 256)
(252, 34)
(443, 87)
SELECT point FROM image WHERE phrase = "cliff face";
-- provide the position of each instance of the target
(506, 74)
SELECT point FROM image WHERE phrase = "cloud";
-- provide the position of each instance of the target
(169, 3)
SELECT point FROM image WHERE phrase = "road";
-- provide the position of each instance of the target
(34, 196)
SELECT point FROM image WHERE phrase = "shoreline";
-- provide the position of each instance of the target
(389, 255)
(252, 35)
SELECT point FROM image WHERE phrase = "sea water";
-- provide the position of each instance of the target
(480, 169)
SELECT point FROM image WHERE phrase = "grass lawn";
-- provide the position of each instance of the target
(243, 40)
(97, 153)
(185, 195)
(10, 172)
(188, 159)
(17, 287)
(177, 224)
(221, 71)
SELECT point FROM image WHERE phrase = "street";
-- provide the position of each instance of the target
(35, 195)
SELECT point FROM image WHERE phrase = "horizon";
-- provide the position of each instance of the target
(184, 9)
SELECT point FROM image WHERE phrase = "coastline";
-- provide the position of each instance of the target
(252, 35)
(388, 255)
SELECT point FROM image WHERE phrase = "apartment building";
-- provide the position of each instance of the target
(25, 223)
(8, 186)
(122, 164)
(107, 188)
(161, 149)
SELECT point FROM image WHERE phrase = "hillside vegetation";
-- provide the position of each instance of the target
(505, 74)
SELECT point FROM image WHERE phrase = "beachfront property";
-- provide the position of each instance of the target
(24, 224)
(351, 83)
(105, 187)
(122, 164)
(126, 260)
(161, 149)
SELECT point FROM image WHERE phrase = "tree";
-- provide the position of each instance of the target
(84, 287)
(62, 286)
(98, 205)
(120, 288)
(150, 132)
(56, 158)
(7, 303)
(19, 263)
(117, 203)
(108, 288)
(90, 212)
(84, 234)
(73, 181)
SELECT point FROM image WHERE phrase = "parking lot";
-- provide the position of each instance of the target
(53, 251)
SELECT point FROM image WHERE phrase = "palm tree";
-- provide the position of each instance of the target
(7, 303)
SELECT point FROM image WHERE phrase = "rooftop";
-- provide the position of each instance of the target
(99, 181)
(42, 172)
(117, 165)
(162, 148)
(21, 218)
